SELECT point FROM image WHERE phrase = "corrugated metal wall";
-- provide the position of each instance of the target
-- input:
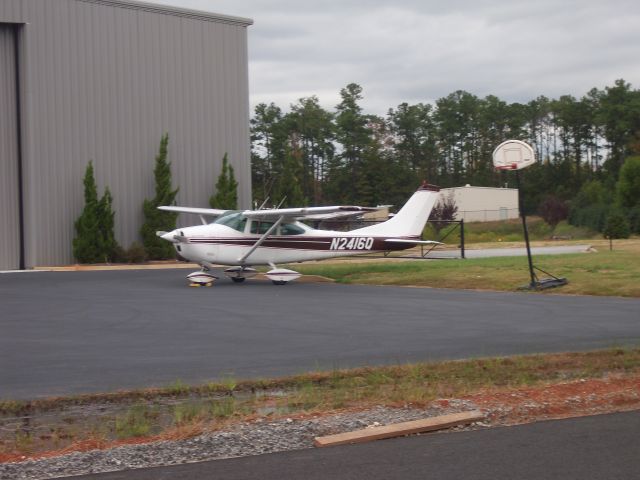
(103, 81)
(9, 210)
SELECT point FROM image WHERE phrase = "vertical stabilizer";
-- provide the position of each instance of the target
(410, 220)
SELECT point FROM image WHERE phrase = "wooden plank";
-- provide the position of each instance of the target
(400, 429)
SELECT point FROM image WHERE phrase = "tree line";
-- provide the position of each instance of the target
(310, 155)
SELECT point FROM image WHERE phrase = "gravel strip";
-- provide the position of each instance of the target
(255, 438)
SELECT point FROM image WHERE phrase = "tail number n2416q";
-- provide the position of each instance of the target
(351, 243)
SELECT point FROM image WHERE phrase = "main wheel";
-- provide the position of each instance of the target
(279, 282)
(237, 279)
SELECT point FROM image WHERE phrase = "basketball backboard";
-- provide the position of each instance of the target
(513, 155)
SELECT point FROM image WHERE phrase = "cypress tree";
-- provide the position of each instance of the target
(95, 239)
(87, 245)
(226, 196)
(155, 220)
(107, 224)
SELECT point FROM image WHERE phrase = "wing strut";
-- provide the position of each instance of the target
(242, 259)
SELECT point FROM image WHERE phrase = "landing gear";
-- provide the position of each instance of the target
(239, 274)
(281, 276)
(201, 279)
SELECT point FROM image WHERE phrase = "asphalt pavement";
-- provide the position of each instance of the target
(603, 447)
(80, 332)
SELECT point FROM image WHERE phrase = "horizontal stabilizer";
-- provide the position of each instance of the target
(412, 242)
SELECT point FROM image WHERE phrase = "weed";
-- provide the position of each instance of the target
(135, 423)
(229, 382)
(12, 407)
(187, 412)
(223, 408)
(178, 388)
(23, 441)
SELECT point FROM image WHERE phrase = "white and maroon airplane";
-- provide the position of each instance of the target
(244, 239)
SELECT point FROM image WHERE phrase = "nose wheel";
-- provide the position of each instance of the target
(240, 274)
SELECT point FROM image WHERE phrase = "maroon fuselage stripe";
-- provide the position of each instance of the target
(304, 243)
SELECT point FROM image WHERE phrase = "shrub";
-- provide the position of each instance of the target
(553, 210)
(443, 211)
(136, 253)
(617, 226)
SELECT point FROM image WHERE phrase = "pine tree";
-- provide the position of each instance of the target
(156, 220)
(226, 196)
(617, 226)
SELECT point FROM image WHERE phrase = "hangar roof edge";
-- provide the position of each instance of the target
(170, 10)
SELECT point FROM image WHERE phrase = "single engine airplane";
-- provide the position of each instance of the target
(244, 239)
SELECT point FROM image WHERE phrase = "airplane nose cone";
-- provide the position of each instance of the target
(168, 236)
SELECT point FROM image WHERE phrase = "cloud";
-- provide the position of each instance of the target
(418, 51)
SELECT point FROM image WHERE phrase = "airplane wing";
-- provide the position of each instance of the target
(209, 212)
(312, 213)
(201, 212)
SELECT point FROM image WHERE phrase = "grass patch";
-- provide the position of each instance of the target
(605, 272)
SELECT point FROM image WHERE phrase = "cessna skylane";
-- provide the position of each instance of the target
(249, 238)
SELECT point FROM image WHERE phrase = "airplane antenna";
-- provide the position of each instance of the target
(263, 204)
(281, 202)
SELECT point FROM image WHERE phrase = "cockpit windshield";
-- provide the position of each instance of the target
(235, 220)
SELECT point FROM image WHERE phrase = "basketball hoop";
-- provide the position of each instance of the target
(513, 166)
(513, 155)
(516, 155)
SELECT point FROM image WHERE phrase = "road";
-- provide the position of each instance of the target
(513, 252)
(602, 447)
(80, 332)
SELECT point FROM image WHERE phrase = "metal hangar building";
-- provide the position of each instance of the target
(102, 81)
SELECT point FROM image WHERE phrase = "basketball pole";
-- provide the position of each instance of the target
(534, 279)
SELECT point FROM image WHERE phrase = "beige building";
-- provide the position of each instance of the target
(483, 204)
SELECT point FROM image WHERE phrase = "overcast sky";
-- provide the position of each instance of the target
(420, 50)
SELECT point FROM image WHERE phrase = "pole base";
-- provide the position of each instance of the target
(545, 283)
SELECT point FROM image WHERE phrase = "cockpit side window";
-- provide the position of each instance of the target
(291, 229)
(260, 227)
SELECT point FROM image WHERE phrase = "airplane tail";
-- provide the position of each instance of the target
(412, 217)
